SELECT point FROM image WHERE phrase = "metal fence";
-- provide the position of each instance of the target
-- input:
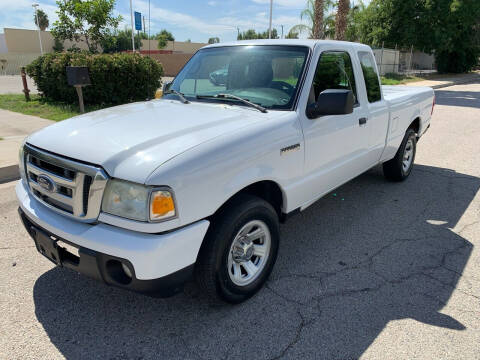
(11, 63)
(404, 61)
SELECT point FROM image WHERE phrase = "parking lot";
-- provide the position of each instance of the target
(374, 270)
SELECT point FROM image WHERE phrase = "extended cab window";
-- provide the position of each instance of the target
(371, 76)
(334, 71)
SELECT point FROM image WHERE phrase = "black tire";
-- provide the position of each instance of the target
(393, 169)
(211, 270)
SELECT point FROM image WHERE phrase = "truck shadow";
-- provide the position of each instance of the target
(367, 254)
(458, 98)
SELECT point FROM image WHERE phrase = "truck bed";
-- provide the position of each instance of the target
(406, 103)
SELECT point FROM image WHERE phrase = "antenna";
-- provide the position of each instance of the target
(149, 45)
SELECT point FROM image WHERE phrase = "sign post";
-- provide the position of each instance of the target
(138, 20)
(78, 76)
(138, 25)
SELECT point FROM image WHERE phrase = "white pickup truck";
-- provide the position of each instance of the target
(146, 196)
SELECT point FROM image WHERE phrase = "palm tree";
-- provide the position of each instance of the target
(341, 19)
(42, 20)
(318, 32)
(317, 22)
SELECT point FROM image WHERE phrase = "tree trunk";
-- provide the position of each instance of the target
(341, 19)
(318, 20)
(87, 42)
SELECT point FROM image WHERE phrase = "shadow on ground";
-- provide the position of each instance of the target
(367, 254)
(458, 98)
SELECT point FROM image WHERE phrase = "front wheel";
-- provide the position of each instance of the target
(400, 167)
(239, 250)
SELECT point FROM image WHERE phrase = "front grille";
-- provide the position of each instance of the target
(72, 188)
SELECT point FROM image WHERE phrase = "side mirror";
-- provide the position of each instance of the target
(160, 92)
(166, 86)
(331, 102)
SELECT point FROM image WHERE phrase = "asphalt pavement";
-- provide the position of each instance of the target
(374, 270)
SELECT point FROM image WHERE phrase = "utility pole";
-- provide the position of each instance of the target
(270, 27)
(144, 30)
(38, 27)
(133, 27)
(282, 31)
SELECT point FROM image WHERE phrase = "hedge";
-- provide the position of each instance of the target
(116, 78)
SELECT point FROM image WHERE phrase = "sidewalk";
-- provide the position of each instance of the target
(12, 84)
(14, 127)
(439, 81)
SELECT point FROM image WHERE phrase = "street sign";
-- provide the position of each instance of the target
(138, 21)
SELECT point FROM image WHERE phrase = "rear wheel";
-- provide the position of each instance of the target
(239, 251)
(400, 167)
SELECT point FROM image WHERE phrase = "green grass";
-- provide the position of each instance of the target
(292, 80)
(398, 79)
(37, 106)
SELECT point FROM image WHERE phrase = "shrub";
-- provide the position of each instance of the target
(457, 61)
(116, 78)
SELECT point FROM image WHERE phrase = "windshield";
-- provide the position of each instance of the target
(265, 75)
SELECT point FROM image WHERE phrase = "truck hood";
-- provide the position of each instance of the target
(131, 141)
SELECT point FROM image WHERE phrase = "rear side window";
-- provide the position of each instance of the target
(371, 76)
(334, 71)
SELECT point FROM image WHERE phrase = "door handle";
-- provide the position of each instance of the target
(362, 121)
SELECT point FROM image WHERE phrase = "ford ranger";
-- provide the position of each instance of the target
(148, 195)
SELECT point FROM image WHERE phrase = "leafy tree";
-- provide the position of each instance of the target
(253, 35)
(446, 28)
(317, 20)
(250, 34)
(58, 45)
(352, 32)
(42, 20)
(120, 41)
(292, 35)
(341, 19)
(213, 40)
(188, 41)
(85, 20)
(163, 38)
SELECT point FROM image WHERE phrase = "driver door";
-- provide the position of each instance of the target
(336, 146)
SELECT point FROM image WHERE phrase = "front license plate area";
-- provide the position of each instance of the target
(46, 246)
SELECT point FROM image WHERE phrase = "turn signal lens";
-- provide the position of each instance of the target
(162, 205)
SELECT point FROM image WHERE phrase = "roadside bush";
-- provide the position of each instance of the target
(457, 61)
(116, 78)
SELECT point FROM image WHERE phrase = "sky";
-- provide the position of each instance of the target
(197, 20)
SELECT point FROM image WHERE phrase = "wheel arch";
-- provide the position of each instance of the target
(268, 190)
(415, 124)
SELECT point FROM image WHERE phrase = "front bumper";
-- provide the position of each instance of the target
(159, 263)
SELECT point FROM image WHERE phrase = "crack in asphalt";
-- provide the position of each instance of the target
(298, 334)
(368, 265)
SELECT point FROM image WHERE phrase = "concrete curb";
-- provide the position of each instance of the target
(449, 83)
(9, 173)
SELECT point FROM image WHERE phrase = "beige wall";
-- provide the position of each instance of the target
(172, 63)
(184, 47)
(26, 41)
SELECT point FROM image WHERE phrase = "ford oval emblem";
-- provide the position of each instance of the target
(46, 183)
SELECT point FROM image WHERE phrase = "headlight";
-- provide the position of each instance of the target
(138, 202)
(21, 161)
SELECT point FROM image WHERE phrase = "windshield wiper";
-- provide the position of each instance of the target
(235, 97)
(179, 94)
